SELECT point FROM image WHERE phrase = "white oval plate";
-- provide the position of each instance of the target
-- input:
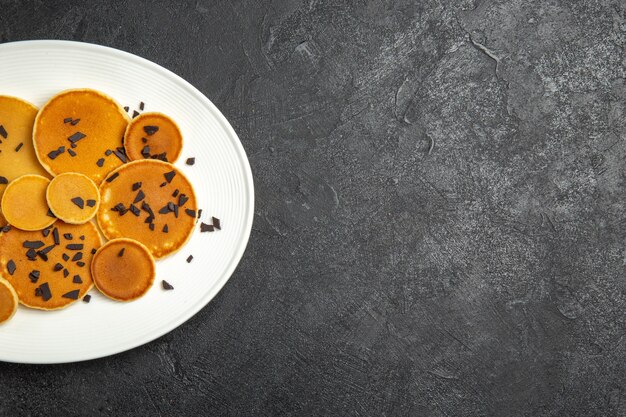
(35, 71)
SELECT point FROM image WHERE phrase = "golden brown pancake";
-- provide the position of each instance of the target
(60, 270)
(17, 155)
(73, 197)
(8, 300)
(153, 136)
(80, 131)
(123, 269)
(24, 203)
(149, 201)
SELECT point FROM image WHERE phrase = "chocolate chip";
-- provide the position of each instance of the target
(55, 236)
(135, 113)
(80, 263)
(112, 177)
(189, 258)
(144, 140)
(11, 267)
(68, 236)
(34, 244)
(87, 298)
(17, 149)
(169, 176)
(75, 122)
(31, 254)
(140, 196)
(100, 162)
(71, 152)
(51, 214)
(67, 120)
(72, 295)
(57, 267)
(75, 246)
(66, 273)
(91, 203)
(3, 132)
(126, 108)
(136, 186)
(66, 257)
(182, 200)
(164, 210)
(3, 180)
(190, 161)
(76, 137)
(216, 223)
(166, 285)
(141, 105)
(79, 202)
(45, 250)
(145, 151)
(34, 276)
(120, 155)
(191, 213)
(166, 229)
(150, 130)
(108, 152)
(163, 184)
(77, 257)
(175, 193)
(206, 227)
(133, 209)
(77, 279)
(44, 290)
(152, 226)
(93, 251)
(7, 228)
(121, 253)
(45, 232)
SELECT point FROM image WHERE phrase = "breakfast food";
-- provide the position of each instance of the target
(153, 136)
(49, 269)
(8, 301)
(123, 269)
(149, 201)
(73, 197)
(24, 203)
(17, 156)
(80, 131)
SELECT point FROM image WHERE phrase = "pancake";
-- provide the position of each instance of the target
(123, 269)
(73, 197)
(8, 301)
(75, 131)
(24, 203)
(58, 274)
(153, 136)
(149, 201)
(17, 155)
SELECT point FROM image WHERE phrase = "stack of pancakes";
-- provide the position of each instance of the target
(72, 173)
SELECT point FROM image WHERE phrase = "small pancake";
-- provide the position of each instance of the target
(50, 280)
(133, 191)
(17, 155)
(24, 203)
(153, 136)
(8, 300)
(73, 197)
(123, 269)
(86, 122)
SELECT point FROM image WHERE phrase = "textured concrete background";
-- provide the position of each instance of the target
(440, 227)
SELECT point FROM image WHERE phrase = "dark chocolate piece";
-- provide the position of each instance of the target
(112, 177)
(6, 228)
(45, 232)
(75, 246)
(145, 152)
(44, 290)
(3, 132)
(190, 161)
(50, 214)
(3, 180)
(72, 295)
(79, 202)
(108, 152)
(46, 249)
(68, 236)
(18, 147)
(144, 140)
(34, 276)
(135, 113)
(141, 106)
(189, 258)
(206, 227)
(67, 120)
(34, 244)
(91, 203)
(126, 108)
(11, 267)
(71, 152)
(93, 251)
(150, 130)
(120, 155)
(75, 122)
(191, 213)
(169, 176)
(66, 273)
(175, 193)
(136, 186)
(87, 298)
(140, 196)
(216, 223)
(100, 162)
(57, 267)
(77, 257)
(66, 257)
(166, 285)
(31, 254)
(55, 236)
(76, 137)
(133, 209)
(152, 226)
(80, 263)
(163, 184)
(121, 253)
(77, 279)
(166, 229)
(182, 200)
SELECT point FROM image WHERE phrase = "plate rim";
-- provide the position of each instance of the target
(248, 181)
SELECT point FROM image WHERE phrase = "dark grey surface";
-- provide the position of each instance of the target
(440, 223)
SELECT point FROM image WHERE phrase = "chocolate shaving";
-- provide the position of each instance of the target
(120, 154)
(17, 149)
(54, 154)
(3, 132)
(43, 256)
(46, 249)
(67, 120)
(55, 236)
